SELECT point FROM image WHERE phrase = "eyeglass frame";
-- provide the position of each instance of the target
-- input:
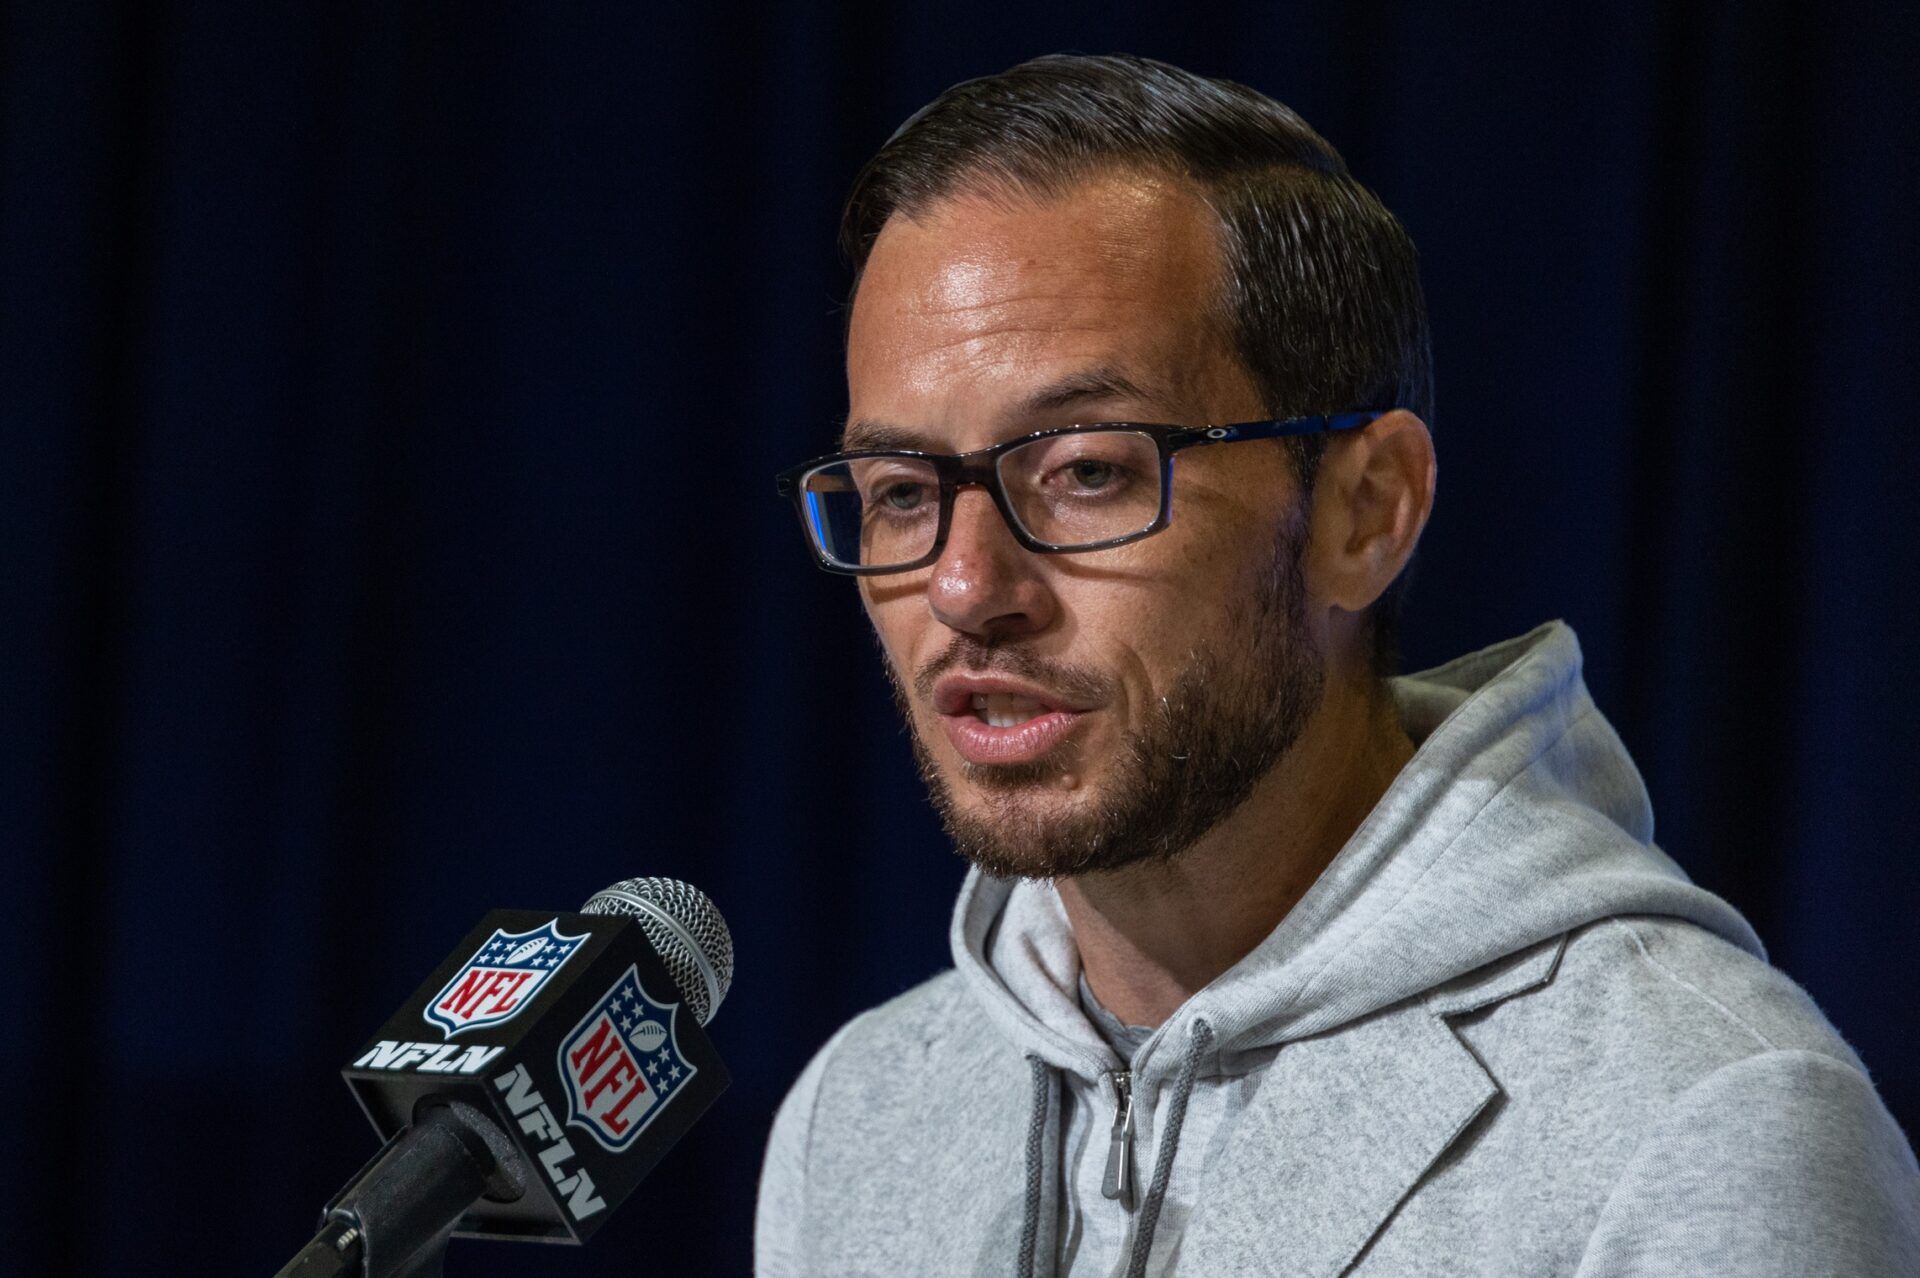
(980, 468)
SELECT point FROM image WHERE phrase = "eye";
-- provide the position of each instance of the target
(1092, 473)
(1082, 467)
(902, 495)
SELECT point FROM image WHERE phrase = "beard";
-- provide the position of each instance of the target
(1234, 708)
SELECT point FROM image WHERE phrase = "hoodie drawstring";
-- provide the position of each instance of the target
(1200, 1037)
(1036, 1164)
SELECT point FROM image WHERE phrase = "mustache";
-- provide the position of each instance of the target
(976, 656)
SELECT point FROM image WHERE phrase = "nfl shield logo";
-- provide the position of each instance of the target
(501, 978)
(622, 1064)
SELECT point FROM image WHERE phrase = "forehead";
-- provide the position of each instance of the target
(982, 296)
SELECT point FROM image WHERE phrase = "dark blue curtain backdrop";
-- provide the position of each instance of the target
(391, 398)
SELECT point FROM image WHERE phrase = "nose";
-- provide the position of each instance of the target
(986, 583)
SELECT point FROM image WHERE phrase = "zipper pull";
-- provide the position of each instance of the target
(1119, 1179)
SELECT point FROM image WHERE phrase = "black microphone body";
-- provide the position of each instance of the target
(523, 1091)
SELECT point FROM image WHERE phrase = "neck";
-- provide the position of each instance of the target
(1150, 936)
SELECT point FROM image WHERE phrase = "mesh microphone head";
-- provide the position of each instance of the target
(686, 932)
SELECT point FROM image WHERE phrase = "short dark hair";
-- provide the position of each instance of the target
(1323, 296)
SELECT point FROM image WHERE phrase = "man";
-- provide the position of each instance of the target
(1268, 962)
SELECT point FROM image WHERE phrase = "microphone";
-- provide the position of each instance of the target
(532, 1081)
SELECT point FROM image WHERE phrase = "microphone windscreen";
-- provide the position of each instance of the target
(685, 930)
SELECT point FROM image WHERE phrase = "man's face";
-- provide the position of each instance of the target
(1080, 712)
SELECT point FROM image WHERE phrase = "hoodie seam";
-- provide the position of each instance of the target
(1391, 907)
(1646, 954)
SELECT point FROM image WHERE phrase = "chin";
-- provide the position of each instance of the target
(1029, 830)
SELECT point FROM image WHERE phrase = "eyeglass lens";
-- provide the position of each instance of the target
(1068, 491)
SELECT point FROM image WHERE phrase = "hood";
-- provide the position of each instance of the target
(1520, 817)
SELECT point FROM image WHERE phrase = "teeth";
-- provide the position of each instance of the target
(1005, 710)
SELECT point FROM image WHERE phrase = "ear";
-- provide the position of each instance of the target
(1371, 498)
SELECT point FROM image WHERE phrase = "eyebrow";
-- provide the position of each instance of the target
(862, 435)
(1086, 386)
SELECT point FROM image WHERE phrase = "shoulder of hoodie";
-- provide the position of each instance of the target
(883, 1045)
(1703, 1084)
(1660, 1001)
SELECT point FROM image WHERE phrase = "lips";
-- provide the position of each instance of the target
(1006, 709)
(999, 720)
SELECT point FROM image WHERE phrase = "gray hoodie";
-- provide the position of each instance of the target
(1501, 1034)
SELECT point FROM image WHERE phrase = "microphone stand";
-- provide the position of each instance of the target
(395, 1218)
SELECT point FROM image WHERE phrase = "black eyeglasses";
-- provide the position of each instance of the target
(1061, 491)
